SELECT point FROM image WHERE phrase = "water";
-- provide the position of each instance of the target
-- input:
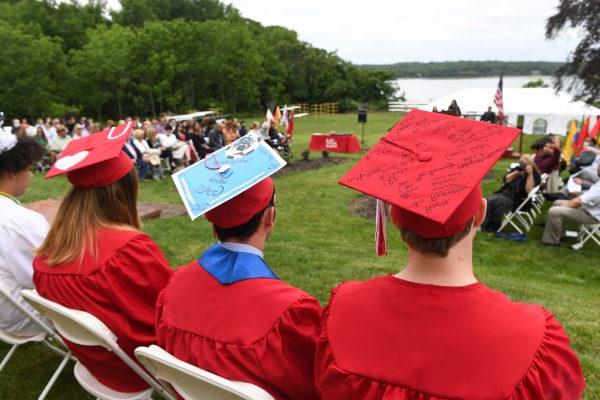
(425, 90)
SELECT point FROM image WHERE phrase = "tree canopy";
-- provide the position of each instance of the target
(584, 62)
(152, 57)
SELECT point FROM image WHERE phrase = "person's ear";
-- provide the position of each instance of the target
(480, 216)
(269, 217)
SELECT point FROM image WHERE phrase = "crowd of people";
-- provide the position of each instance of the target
(577, 203)
(155, 144)
(430, 330)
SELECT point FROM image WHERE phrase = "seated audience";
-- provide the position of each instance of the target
(228, 313)
(582, 209)
(96, 259)
(59, 143)
(432, 330)
(216, 138)
(180, 150)
(230, 132)
(517, 184)
(255, 128)
(21, 231)
(198, 139)
(138, 159)
(149, 155)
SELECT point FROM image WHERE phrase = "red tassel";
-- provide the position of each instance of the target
(380, 229)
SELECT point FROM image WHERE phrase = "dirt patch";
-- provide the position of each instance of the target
(316, 163)
(364, 207)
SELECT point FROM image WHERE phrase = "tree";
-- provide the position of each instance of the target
(32, 74)
(584, 62)
(538, 83)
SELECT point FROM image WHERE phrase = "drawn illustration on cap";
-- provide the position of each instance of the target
(68, 162)
(242, 147)
(112, 131)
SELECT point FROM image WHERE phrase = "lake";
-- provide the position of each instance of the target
(425, 90)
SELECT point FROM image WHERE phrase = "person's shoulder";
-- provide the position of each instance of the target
(20, 218)
(115, 240)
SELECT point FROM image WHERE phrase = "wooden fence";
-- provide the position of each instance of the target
(318, 109)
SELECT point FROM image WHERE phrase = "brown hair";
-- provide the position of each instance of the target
(83, 212)
(438, 246)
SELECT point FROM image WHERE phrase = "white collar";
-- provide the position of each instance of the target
(242, 248)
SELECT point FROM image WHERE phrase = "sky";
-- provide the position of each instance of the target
(384, 32)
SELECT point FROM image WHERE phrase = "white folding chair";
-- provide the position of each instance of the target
(193, 383)
(520, 216)
(587, 232)
(84, 329)
(16, 341)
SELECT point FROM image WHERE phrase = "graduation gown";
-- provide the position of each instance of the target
(387, 338)
(120, 288)
(229, 314)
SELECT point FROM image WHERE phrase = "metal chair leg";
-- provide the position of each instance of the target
(8, 356)
(55, 376)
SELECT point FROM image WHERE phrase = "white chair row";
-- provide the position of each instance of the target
(47, 335)
(523, 217)
(167, 373)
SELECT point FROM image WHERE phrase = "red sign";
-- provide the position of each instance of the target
(335, 143)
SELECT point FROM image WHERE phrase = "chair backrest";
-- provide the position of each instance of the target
(76, 326)
(5, 292)
(85, 329)
(530, 197)
(192, 382)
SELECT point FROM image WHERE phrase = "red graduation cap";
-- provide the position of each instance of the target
(96, 160)
(428, 167)
(241, 208)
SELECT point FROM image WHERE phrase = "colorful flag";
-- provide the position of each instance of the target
(284, 117)
(277, 114)
(269, 116)
(290, 126)
(596, 129)
(499, 100)
(583, 133)
(567, 153)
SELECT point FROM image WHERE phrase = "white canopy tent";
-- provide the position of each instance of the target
(543, 109)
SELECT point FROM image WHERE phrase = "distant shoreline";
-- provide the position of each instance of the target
(467, 69)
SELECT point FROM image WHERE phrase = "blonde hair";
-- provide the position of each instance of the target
(138, 134)
(83, 212)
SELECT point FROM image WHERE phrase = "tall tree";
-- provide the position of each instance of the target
(584, 62)
(32, 74)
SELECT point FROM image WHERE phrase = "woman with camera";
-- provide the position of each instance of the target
(517, 184)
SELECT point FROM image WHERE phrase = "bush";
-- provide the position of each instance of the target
(305, 154)
(325, 153)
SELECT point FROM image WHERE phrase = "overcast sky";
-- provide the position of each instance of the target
(388, 31)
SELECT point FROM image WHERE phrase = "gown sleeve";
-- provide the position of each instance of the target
(135, 276)
(555, 372)
(287, 354)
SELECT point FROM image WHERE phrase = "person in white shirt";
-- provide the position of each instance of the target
(168, 140)
(150, 155)
(59, 143)
(255, 128)
(21, 231)
(583, 209)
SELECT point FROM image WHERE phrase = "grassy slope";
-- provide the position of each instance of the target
(318, 243)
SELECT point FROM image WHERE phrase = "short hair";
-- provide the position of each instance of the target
(245, 230)
(438, 246)
(25, 152)
(539, 144)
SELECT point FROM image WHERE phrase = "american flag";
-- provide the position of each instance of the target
(498, 100)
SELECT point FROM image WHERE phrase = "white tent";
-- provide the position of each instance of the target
(544, 110)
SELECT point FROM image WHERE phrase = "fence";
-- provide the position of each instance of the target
(402, 106)
(318, 109)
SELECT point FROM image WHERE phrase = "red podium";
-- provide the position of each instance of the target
(335, 142)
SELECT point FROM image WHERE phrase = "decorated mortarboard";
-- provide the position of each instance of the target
(96, 160)
(232, 184)
(429, 167)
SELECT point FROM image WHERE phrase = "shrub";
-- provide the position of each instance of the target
(305, 154)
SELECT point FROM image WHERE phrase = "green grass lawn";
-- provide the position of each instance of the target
(318, 243)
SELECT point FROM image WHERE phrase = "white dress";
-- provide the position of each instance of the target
(21, 231)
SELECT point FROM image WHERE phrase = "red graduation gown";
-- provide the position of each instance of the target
(119, 288)
(387, 338)
(261, 331)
